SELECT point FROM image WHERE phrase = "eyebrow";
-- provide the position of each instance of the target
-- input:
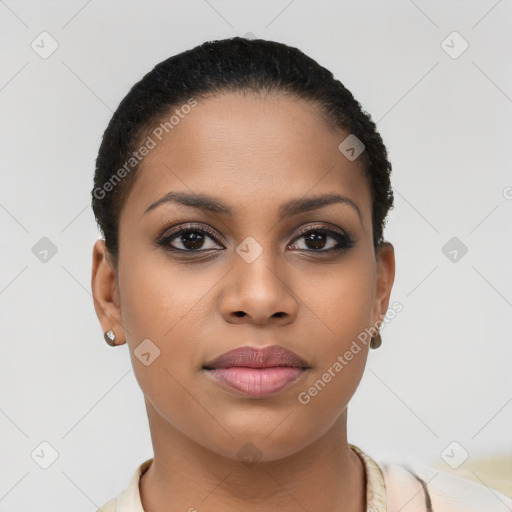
(288, 209)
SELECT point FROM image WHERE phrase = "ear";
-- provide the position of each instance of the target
(105, 292)
(385, 277)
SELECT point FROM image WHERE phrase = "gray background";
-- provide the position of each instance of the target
(443, 371)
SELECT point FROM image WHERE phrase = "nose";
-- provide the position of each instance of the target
(258, 293)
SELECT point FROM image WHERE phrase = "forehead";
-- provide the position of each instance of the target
(248, 149)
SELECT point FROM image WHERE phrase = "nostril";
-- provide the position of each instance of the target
(239, 313)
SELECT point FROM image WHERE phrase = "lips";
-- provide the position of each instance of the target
(256, 372)
(252, 357)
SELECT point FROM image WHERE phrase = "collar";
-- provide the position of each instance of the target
(375, 486)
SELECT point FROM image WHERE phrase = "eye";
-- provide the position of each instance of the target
(321, 239)
(195, 238)
(190, 239)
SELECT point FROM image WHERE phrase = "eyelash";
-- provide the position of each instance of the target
(343, 240)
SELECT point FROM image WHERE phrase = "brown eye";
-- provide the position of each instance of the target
(322, 240)
(192, 240)
(186, 239)
(316, 240)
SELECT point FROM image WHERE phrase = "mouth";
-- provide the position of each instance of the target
(257, 372)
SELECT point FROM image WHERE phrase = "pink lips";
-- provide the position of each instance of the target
(257, 372)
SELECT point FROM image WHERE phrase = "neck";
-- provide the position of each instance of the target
(186, 476)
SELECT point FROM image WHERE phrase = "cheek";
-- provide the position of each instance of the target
(162, 301)
(342, 305)
(341, 299)
(158, 296)
(328, 391)
(157, 301)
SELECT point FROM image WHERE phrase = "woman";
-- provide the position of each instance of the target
(242, 194)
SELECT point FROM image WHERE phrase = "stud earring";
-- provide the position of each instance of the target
(110, 337)
(376, 341)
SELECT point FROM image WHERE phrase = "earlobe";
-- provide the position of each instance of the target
(385, 278)
(105, 294)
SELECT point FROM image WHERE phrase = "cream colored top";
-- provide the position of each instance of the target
(389, 488)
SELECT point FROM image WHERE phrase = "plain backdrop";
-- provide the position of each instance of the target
(442, 375)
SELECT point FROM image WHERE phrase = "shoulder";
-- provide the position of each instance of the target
(110, 506)
(412, 488)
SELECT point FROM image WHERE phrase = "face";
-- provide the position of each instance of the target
(242, 256)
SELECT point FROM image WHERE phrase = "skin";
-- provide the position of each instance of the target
(253, 153)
